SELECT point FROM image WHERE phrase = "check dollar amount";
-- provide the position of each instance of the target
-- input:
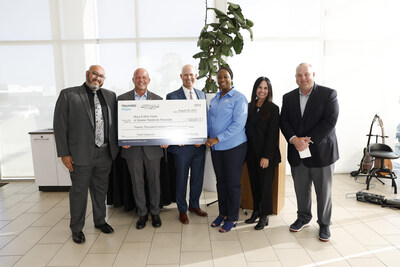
(162, 122)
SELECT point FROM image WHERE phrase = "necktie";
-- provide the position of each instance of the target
(99, 123)
(191, 95)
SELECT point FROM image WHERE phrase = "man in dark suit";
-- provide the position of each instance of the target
(308, 118)
(190, 156)
(85, 133)
(144, 160)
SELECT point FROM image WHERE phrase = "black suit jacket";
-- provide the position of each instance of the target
(318, 122)
(265, 136)
(74, 128)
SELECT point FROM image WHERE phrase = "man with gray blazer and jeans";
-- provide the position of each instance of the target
(85, 134)
(143, 160)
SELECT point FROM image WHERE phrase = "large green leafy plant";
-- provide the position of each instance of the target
(221, 39)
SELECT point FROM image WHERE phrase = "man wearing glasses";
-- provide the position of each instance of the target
(85, 134)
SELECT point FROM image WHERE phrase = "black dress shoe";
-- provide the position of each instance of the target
(78, 237)
(252, 218)
(262, 222)
(156, 220)
(105, 228)
(141, 223)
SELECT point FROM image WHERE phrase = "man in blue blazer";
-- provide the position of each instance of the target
(308, 118)
(189, 156)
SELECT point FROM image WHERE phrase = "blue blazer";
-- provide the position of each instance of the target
(180, 94)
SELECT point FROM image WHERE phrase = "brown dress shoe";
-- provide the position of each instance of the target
(183, 218)
(198, 211)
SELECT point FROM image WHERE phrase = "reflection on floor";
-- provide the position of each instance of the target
(34, 232)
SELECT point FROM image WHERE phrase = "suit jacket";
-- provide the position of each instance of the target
(74, 128)
(180, 94)
(318, 122)
(151, 152)
(264, 141)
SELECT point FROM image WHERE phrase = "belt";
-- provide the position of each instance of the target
(104, 145)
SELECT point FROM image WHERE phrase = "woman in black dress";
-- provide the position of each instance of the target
(263, 155)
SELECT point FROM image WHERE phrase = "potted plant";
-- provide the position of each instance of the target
(220, 39)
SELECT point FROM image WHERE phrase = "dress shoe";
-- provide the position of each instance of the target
(78, 237)
(252, 218)
(198, 211)
(141, 223)
(183, 218)
(105, 228)
(156, 220)
(262, 222)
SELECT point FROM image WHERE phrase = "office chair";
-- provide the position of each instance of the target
(381, 152)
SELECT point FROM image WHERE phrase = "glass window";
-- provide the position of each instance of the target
(119, 62)
(164, 61)
(172, 18)
(27, 99)
(116, 18)
(25, 20)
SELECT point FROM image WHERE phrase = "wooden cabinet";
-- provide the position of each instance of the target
(278, 185)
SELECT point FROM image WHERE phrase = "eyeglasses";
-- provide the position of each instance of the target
(101, 76)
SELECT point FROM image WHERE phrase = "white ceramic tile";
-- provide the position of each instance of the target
(109, 243)
(165, 249)
(52, 217)
(71, 253)
(196, 259)
(39, 255)
(18, 225)
(228, 253)
(60, 233)
(8, 261)
(132, 254)
(293, 257)
(25, 241)
(196, 237)
(256, 246)
(103, 260)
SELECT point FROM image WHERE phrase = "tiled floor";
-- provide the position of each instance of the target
(34, 232)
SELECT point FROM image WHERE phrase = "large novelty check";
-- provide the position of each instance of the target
(162, 122)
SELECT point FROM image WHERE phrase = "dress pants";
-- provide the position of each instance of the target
(303, 178)
(138, 169)
(228, 166)
(195, 161)
(94, 177)
(261, 181)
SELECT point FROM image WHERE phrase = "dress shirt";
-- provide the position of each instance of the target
(227, 119)
(138, 97)
(187, 93)
(303, 100)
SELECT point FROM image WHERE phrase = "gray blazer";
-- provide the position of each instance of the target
(151, 152)
(74, 126)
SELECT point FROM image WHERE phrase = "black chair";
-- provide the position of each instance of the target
(381, 152)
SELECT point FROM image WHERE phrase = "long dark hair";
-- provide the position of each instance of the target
(265, 108)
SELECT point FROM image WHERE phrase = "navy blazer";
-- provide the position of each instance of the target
(318, 122)
(176, 95)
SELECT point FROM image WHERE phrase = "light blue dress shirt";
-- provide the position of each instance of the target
(227, 119)
(143, 97)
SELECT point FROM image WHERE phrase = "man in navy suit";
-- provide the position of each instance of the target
(189, 156)
(308, 118)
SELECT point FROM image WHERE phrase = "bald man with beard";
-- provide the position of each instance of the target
(85, 134)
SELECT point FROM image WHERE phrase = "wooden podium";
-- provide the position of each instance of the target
(278, 185)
